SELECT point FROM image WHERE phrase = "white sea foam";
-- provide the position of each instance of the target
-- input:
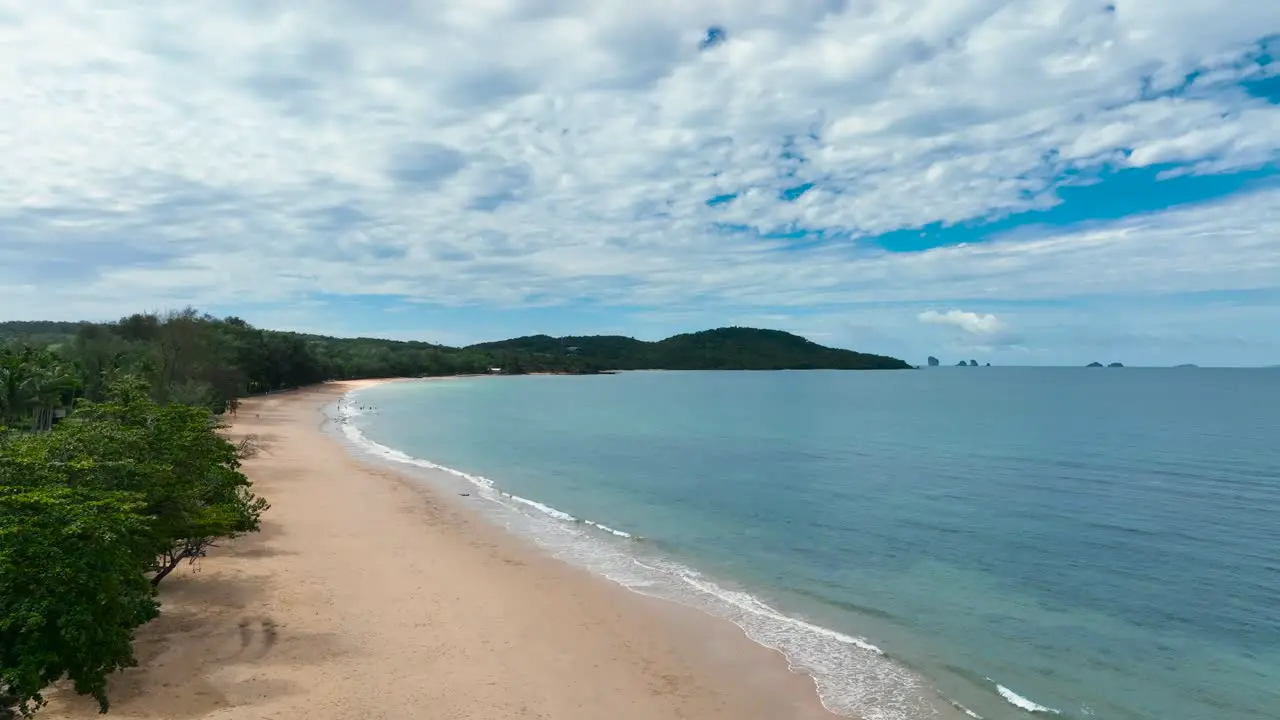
(347, 409)
(610, 530)
(754, 605)
(545, 509)
(1019, 701)
(853, 676)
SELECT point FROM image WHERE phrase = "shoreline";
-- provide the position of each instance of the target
(369, 594)
(829, 658)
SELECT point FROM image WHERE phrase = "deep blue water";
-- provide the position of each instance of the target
(1100, 542)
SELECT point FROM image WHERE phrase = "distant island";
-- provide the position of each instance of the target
(934, 362)
(260, 360)
(1098, 364)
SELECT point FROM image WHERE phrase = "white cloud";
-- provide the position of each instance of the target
(973, 331)
(517, 152)
(970, 322)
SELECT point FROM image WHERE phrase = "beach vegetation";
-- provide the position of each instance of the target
(94, 513)
(71, 590)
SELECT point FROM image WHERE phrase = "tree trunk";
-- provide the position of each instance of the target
(42, 419)
(8, 704)
(165, 570)
(169, 561)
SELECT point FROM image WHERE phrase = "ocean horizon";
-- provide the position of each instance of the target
(1002, 543)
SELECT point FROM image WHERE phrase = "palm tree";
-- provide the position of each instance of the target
(34, 383)
(48, 387)
(13, 375)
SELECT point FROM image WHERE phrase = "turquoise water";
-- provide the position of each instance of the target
(1018, 542)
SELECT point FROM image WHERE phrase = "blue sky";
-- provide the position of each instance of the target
(1015, 181)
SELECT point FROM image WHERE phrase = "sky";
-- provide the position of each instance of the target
(1014, 181)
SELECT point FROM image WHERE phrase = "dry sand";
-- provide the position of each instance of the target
(368, 596)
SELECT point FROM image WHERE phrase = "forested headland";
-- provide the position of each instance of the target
(195, 358)
(114, 472)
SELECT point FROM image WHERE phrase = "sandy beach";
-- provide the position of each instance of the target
(367, 595)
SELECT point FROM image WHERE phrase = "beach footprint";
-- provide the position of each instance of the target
(257, 635)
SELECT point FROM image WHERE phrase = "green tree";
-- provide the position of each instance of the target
(15, 373)
(101, 356)
(33, 383)
(52, 384)
(71, 593)
(170, 456)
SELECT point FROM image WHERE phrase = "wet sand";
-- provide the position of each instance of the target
(368, 595)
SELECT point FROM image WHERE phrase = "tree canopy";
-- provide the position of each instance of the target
(71, 590)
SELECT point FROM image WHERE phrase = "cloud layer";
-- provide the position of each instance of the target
(510, 153)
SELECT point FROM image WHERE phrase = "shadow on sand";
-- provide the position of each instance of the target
(214, 646)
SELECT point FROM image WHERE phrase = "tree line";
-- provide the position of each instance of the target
(195, 358)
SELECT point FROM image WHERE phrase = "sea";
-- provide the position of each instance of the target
(944, 542)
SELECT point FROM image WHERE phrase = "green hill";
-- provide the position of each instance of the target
(733, 348)
(601, 352)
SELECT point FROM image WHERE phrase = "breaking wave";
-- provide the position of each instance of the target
(1019, 701)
